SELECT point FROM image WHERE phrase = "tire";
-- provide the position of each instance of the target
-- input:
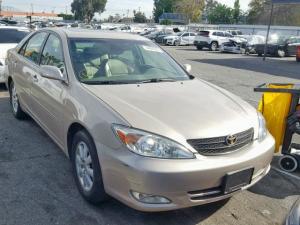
(176, 43)
(281, 53)
(298, 59)
(199, 47)
(15, 104)
(260, 54)
(86, 168)
(288, 163)
(214, 46)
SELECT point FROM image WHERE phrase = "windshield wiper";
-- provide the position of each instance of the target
(157, 80)
(108, 82)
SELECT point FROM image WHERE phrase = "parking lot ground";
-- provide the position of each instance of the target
(36, 184)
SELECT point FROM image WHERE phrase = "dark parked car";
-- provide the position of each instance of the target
(281, 47)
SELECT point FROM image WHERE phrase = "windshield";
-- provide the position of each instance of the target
(179, 34)
(124, 61)
(12, 35)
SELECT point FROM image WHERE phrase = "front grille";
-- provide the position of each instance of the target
(218, 145)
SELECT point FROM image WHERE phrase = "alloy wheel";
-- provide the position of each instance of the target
(14, 99)
(84, 167)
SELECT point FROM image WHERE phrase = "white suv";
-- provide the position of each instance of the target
(182, 38)
(211, 39)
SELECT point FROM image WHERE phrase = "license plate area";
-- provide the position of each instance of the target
(234, 181)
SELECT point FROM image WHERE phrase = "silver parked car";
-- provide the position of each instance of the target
(135, 125)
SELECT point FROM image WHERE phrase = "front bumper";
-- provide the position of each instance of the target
(185, 182)
(170, 42)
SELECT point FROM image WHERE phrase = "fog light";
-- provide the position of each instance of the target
(149, 199)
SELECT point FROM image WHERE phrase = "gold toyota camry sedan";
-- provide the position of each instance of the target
(135, 125)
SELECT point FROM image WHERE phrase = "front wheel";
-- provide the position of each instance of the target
(86, 168)
(280, 53)
(14, 102)
(214, 46)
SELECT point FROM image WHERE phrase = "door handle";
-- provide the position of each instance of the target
(35, 78)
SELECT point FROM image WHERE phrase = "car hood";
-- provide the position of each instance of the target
(171, 37)
(179, 110)
(4, 48)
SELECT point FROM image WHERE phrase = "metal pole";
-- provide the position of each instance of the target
(268, 33)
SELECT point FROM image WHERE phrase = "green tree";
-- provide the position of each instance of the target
(191, 8)
(163, 6)
(85, 9)
(139, 17)
(236, 11)
(221, 14)
(256, 9)
(66, 16)
(286, 15)
(210, 5)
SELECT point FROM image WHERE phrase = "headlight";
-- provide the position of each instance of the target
(151, 145)
(262, 129)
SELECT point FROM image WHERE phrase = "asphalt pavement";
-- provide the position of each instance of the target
(37, 187)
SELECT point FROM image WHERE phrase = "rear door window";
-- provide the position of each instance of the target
(11, 36)
(204, 33)
(220, 34)
(34, 46)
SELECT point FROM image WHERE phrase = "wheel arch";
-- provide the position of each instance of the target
(9, 80)
(72, 130)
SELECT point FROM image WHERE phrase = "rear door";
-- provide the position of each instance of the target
(48, 94)
(192, 38)
(24, 68)
(292, 46)
(185, 38)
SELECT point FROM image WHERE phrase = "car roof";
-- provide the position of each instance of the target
(15, 28)
(85, 33)
(213, 30)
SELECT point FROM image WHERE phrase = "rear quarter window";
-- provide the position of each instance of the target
(11, 36)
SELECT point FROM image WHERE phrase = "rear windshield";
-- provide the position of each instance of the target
(11, 35)
(204, 33)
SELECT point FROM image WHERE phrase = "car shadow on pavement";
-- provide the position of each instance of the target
(275, 181)
(188, 216)
(271, 66)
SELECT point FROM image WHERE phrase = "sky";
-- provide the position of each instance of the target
(113, 6)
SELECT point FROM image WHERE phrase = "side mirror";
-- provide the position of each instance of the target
(52, 73)
(187, 67)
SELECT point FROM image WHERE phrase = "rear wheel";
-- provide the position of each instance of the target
(288, 163)
(86, 168)
(14, 102)
(280, 53)
(214, 46)
(298, 59)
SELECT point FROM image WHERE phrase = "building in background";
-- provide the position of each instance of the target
(21, 16)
